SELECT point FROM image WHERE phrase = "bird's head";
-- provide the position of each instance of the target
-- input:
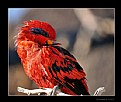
(37, 31)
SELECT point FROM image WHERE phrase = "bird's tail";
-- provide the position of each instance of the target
(78, 87)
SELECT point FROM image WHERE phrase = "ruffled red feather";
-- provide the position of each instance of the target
(49, 65)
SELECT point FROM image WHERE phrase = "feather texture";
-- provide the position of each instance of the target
(51, 64)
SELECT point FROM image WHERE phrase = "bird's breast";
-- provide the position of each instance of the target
(32, 57)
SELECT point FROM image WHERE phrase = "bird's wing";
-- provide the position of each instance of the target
(67, 71)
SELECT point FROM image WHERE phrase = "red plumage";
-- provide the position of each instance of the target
(46, 62)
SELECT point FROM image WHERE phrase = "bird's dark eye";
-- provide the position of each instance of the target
(39, 31)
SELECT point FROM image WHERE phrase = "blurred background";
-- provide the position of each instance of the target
(87, 33)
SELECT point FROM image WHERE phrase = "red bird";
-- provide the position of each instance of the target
(46, 62)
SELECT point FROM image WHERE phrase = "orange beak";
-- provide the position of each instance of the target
(50, 42)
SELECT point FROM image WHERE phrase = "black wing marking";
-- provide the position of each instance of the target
(64, 51)
(63, 77)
